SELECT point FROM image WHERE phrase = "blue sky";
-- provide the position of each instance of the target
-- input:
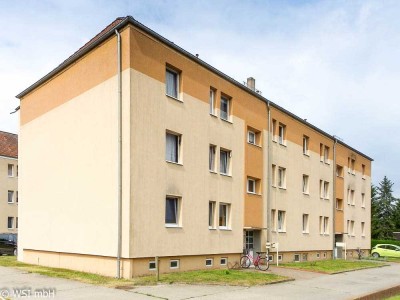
(334, 63)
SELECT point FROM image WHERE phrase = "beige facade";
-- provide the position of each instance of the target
(9, 183)
(209, 167)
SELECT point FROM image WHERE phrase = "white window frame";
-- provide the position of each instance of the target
(223, 261)
(209, 260)
(176, 75)
(305, 224)
(212, 102)
(324, 225)
(212, 158)
(298, 257)
(177, 211)
(281, 177)
(228, 162)
(273, 129)
(318, 255)
(282, 221)
(273, 219)
(12, 222)
(305, 184)
(250, 180)
(305, 145)
(211, 217)
(178, 139)
(228, 107)
(326, 190)
(363, 229)
(363, 200)
(326, 155)
(252, 134)
(155, 265)
(10, 167)
(273, 175)
(281, 134)
(362, 171)
(174, 261)
(280, 257)
(227, 215)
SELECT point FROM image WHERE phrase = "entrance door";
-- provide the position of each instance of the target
(249, 241)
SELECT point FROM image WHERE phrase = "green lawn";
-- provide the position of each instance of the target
(333, 266)
(221, 277)
(397, 297)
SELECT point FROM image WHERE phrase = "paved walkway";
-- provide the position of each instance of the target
(306, 286)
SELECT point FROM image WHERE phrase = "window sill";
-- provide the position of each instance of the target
(363, 207)
(213, 115)
(283, 144)
(213, 172)
(281, 231)
(324, 234)
(306, 154)
(363, 178)
(212, 228)
(225, 229)
(327, 163)
(172, 226)
(174, 98)
(282, 188)
(274, 140)
(274, 186)
(174, 163)
(305, 232)
(227, 175)
(227, 121)
(306, 194)
(10, 202)
(255, 145)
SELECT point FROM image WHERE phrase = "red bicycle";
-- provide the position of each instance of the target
(261, 261)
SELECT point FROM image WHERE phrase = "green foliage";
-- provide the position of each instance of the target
(385, 211)
(393, 242)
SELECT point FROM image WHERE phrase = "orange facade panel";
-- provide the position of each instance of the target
(253, 211)
(340, 187)
(339, 221)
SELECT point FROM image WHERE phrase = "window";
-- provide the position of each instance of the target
(211, 158)
(251, 186)
(10, 196)
(351, 163)
(326, 155)
(211, 214)
(152, 265)
(318, 255)
(273, 130)
(273, 219)
(172, 83)
(225, 108)
(321, 152)
(224, 156)
(362, 200)
(304, 257)
(339, 171)
(10, 170)
(305, 184)
(251, 137)
(270, 258)
(224, 211)
(172, 153)
(363, 171)
(281, 177)
(305, 223)
(281, 221)
(324, 254)
(323, 225)
(282, 134)
(305, 145)
(212, 101)
(324, 189)
(362, 228)
(273, 177)
(352, 231)
(172, 211)
(16, 196)
(174, 264)
(297, 257)
(10, 222)
(280, 257)
(16, 222)
(339, 204)
(223, 261)
(352, 198)
(209, 262)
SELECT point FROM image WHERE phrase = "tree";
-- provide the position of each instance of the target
(385, 209)
(397, 215)
(374, 213)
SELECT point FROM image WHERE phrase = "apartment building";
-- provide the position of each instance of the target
(154, 153)
(8, 182)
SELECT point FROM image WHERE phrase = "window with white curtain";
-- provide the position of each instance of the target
(224, 108)
(305, 223)
(10, 196)
(224, 212)
(224, 156)
(305, 184)
(172, 83)
(212, 101)
(211, 214)
(281, 177)
(172, 147)
(172, 211)
(211, 158)
(281, 221)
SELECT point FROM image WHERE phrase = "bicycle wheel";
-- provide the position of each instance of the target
(245, 262)
(263, 264)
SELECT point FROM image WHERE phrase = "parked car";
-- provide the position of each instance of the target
(8, 243)
(385, 250)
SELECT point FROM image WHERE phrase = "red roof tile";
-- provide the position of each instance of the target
(8, 144)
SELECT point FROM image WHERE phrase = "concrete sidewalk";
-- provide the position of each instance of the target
(307, 286)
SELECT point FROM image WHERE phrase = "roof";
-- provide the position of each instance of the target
(121, 22)
(8, 144)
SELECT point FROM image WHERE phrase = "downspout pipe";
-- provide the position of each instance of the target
(334, 198)
(119, 205)
(269, 180)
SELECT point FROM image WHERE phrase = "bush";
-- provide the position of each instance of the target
(393, 242)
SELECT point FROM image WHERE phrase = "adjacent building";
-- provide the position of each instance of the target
(8, 182)
(140, 149)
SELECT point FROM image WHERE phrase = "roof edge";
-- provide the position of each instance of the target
(130, 20)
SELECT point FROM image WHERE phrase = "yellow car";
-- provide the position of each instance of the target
(385, 250)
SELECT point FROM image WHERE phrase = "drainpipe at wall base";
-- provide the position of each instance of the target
(119, 206)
